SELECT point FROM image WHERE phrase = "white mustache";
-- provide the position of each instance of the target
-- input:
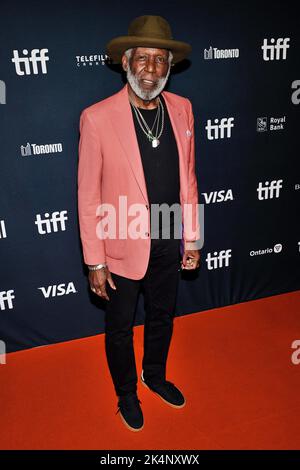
(146, 94)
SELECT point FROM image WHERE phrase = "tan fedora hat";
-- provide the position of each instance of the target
(148, 31)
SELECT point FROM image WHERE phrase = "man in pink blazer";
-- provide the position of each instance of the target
(137, 150)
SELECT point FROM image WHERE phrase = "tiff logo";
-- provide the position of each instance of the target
(6, 297)
(218, 259)
(269, 190)
(217, 131)
(51, 223)
(27, 65)
(270, 49)
(2, 92)
(2, 352)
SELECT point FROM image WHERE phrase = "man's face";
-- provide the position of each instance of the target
(147, 71)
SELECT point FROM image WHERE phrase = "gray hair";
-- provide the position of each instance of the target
(128, 54)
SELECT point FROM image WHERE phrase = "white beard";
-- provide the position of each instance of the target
(146, 95)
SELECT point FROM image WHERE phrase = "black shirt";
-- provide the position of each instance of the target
(160, 164)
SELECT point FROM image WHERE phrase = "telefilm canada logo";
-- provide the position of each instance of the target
(92, 60)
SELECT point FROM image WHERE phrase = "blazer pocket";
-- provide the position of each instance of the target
(115, 248)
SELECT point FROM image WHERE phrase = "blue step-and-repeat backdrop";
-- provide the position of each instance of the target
(243, 78)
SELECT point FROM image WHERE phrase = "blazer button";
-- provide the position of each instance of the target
(147, 233)
(147, 207)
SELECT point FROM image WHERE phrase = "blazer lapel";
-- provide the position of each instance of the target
(123, 124)
(179, 129)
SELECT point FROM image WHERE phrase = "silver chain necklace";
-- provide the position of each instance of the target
(154, 138)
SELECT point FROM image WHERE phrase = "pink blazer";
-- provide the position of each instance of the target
(110, 165)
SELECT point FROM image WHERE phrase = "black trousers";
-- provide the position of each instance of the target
(159, 287)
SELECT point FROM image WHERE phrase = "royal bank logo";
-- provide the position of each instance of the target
(2, 92)
(262, 124)
(32, 62)
(92, 60)
(215, 53)
(272, 123)
(275, 49)
(34, 149)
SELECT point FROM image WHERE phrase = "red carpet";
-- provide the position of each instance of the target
(233, 364)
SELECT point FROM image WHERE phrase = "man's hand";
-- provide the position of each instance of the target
(97, 280)
(191, 259)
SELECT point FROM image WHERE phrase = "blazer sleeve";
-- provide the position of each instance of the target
(192, 233)
(89, 190)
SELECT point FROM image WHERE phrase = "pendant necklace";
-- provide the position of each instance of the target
(154, 138)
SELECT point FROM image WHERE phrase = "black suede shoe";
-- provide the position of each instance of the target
(131, 412)
(167, 391)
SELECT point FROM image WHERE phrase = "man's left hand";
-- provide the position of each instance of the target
(191, 259)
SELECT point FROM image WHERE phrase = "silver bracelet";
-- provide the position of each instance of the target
(96, 266)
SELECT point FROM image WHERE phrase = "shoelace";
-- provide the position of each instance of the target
(131, 399)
